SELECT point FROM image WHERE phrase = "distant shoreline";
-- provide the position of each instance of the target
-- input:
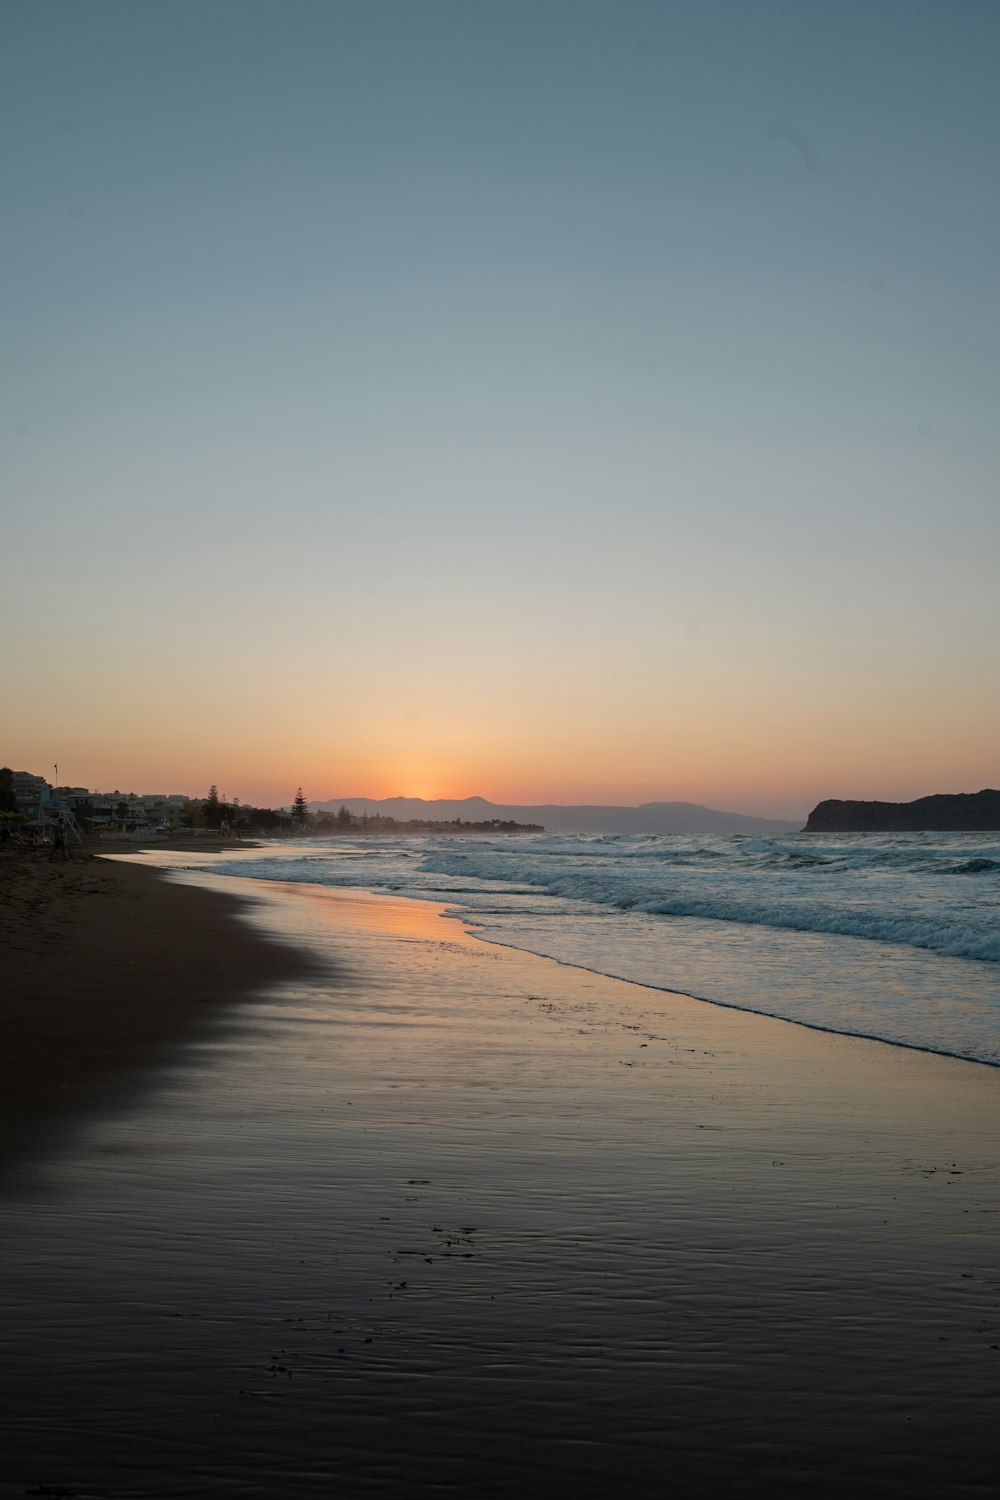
(557, 818)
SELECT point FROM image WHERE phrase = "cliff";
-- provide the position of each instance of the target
(961, 812)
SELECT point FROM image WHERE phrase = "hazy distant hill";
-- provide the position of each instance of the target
(651, 817)
(956, 812)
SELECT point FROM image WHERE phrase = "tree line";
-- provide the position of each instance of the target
(217, 811)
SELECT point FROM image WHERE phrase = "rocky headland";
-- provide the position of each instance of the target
(959, 812)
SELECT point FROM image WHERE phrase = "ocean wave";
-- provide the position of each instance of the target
(898, 890)
(859, 900)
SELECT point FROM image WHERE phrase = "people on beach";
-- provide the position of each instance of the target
(59, 849)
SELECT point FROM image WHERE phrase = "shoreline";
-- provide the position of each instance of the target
(743, 1010)
(872, 954)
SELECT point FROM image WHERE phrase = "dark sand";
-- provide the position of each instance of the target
(437, 1218)
(105, 966)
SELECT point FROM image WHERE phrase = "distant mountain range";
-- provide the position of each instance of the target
(651, 817)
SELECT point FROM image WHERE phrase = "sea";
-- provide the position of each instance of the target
(895, 937)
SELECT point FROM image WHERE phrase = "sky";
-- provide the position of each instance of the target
(550, 400)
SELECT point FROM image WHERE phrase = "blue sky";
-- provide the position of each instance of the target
(586, 397)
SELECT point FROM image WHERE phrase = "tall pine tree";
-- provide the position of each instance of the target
(212, 810)
(300, 811)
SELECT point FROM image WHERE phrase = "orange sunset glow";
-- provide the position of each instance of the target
(642, 493)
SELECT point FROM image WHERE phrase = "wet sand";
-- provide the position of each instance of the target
(434, 1217)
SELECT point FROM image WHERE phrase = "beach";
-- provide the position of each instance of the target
(312, 1191)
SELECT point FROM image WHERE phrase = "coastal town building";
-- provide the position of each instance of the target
(33, 793)
(40, 802)
(129, 814)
